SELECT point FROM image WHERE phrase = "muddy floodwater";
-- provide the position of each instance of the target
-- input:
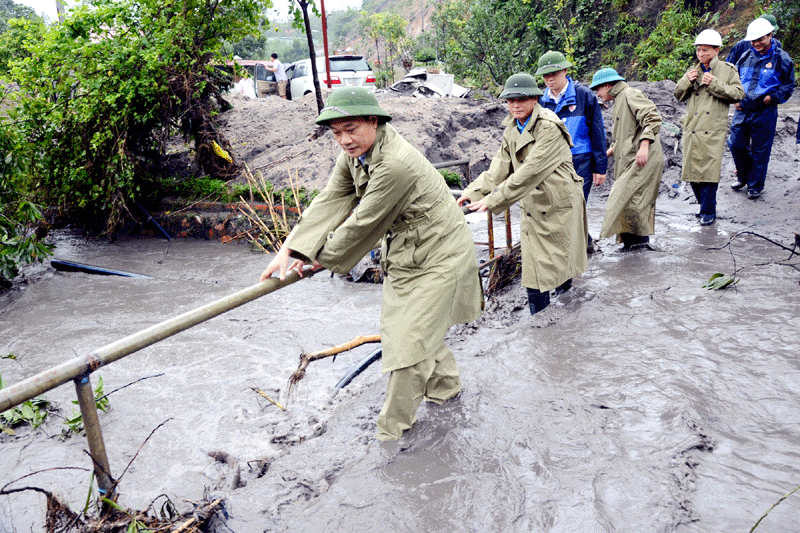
(637, 402)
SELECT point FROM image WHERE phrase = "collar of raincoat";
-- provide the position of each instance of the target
(373, 154)
(617, 88)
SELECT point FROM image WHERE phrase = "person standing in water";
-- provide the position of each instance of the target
(534, 166)
(638, 161)
(383, 189)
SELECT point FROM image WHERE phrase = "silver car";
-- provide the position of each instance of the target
(346, 71)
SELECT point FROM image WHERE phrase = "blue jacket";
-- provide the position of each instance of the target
(769, 74)
(741, 47)
(579, 110)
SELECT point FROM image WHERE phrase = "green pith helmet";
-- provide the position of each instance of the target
(347, 102)
(605, 75)
(552, 62)
(519, 86)
(771, 18)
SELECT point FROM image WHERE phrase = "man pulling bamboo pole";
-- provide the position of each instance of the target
(383, 189)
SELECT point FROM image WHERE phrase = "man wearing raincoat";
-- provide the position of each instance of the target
(383, 189)
(534, 166)
(638, 161)
(710, 86)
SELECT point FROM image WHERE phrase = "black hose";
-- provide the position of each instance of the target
(356, 370)
(71, 266)
(153, 220)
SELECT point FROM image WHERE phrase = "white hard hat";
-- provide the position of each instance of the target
(758, 28)
(709, 37)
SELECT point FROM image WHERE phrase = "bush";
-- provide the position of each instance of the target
(451, 178)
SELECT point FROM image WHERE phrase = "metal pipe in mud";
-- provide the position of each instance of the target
(74, 368)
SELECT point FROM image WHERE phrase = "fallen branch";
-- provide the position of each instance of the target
(264, 395)
(773, 507)
(305, 359)
(793, 251)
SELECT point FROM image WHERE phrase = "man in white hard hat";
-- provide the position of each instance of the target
(709, 87)
(744, 45)
(767, 74)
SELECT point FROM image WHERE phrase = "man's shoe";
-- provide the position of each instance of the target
(707, 220)
(591, 246)
(753, 194)
(738, 185)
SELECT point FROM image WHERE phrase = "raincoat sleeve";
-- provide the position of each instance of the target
(646, 114)
(786, 78)
(326, 212)
(498, 170)
(684, 88)
(387, 193)
(539, 163)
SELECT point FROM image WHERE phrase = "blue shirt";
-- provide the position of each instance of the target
(580, 111)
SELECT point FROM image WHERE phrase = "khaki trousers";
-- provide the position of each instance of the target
(435, 379)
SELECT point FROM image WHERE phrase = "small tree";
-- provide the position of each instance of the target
(101, 92)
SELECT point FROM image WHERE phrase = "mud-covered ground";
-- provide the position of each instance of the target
(639, 401)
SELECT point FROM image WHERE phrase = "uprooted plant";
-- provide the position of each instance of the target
(271, 228)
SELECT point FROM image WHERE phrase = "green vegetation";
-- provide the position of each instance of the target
(451, 178)
(33, 412)
(388, 29)
(75, 422)
(667, 50)
(207, 189)
(720, 281)
(88, 106)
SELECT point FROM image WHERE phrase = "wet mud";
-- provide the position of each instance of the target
(638, 401)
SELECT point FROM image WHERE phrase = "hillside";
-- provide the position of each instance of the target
(645, 39)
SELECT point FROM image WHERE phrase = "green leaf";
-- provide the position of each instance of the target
(720, 281)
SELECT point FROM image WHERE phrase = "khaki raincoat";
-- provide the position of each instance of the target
(535, 167)
(631, 206)
(431, 274)
(705, 124)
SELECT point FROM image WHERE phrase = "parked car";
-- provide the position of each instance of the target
(264, 79)
(346, 71)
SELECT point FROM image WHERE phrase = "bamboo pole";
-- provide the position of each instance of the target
(72, 369)
(97, 447)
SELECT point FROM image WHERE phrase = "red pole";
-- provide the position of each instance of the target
(325, 44)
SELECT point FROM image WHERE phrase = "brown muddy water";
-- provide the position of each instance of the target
(637, 402)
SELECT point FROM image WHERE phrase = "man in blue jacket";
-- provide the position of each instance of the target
(577, 106)
(743, 46)
(767, 74)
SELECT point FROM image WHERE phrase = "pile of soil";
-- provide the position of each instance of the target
(278, 137)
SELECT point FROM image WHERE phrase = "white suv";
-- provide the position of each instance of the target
(346, 71)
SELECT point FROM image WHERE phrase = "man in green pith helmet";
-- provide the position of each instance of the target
(534, 166)
(577, 106)
(638, 161)
(383, 189)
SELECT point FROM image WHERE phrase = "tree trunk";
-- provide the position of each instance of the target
(312, 54)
